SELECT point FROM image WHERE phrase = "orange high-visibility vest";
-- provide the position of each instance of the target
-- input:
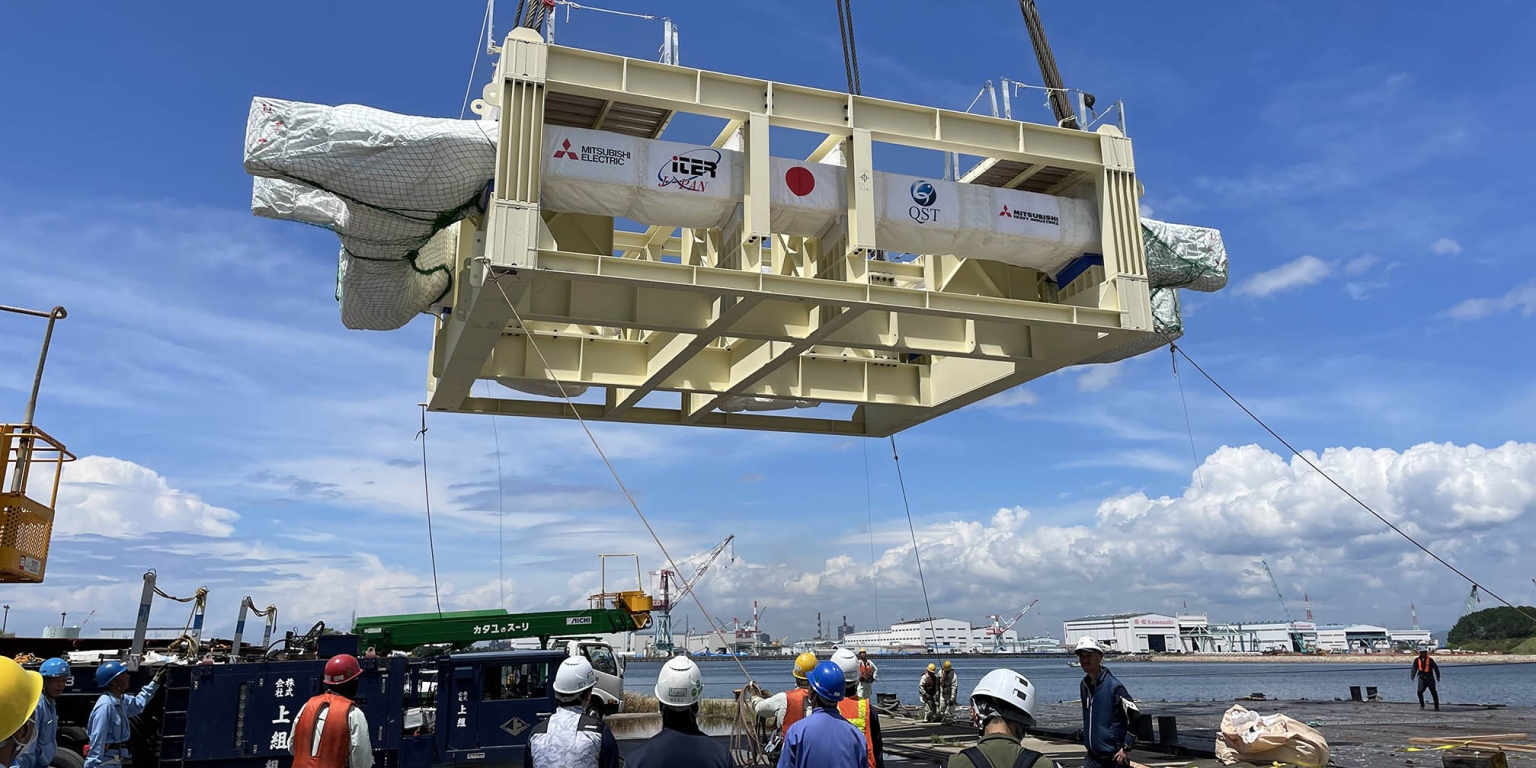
(327, 715)
(856, 711)
(1422, 665)
(794, 708)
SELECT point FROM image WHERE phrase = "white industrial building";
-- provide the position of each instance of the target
(938, 634)
(1353, 638)
(1126, 632)
(1413, 639)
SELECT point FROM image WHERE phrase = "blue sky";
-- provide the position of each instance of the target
(1364, 163)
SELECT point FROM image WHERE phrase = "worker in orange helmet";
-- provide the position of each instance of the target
(331, 730)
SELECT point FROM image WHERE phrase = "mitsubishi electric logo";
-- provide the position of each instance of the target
(592, 154)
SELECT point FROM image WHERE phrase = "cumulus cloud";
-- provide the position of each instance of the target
(1361, 263)
(1521, 298)
(106, 496)
(1299, 273)
(1445, 247)
(1141, 552)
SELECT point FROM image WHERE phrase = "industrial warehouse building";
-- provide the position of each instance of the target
(943, 635)
(1126, 632)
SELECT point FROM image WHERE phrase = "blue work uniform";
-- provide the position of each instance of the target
(109, 731)
(824, 739)
(40, 754)
(1106, 728)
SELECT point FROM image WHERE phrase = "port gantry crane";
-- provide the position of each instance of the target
(999, 626)
(667, 578)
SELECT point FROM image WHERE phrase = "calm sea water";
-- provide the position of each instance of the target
(1512, 684)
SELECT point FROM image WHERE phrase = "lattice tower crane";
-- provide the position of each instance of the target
(667, 599)
(999, 626)
(1298, 641)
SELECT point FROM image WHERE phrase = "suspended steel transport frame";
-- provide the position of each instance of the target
(713, 315)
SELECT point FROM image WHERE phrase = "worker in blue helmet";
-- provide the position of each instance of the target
(824, 738)
(55, 673)
(108, 730)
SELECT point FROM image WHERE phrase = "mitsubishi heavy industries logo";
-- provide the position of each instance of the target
(592, 154)
(1023, 215)
(925, 195)
(690, 171)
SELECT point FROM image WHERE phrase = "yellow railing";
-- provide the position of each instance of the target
(26, 522)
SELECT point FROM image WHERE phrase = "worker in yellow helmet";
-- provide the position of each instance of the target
(786, 707)
(19, 693)
(949, 689)
(928, 693)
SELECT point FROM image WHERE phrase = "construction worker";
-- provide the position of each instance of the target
(1003, 706)
(570, 738)
(949, 689)
(108, 730)
(1108, 710)
(19, 693)
(858, 710)
(680, 744)
(928, 693)
(824, 739)
(1427, 672)
(316, 746)
(787, 707)
(868, 674)
(55, 673)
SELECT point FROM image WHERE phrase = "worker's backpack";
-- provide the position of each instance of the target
(1026, 758)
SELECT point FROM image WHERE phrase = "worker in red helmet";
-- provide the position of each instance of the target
(331, 731)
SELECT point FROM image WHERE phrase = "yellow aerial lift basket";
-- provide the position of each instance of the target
(26, 522)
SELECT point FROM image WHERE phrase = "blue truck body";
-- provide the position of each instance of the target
(456, 709)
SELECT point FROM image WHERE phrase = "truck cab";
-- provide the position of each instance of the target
(608, 696)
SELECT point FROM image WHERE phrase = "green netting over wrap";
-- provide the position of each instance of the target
(1183, 256)
(387, 184)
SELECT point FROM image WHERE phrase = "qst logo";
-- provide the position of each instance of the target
(925, 195)
(690, 171)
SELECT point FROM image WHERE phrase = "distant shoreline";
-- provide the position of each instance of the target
(1374, 658)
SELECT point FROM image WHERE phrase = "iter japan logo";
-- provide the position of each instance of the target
(690, 171)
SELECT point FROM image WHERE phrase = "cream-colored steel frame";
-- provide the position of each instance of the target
(744, 311)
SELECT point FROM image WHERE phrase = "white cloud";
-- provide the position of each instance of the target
(1010, 399)
(1361, 263)
(1362, 291)
(1301, 272)
(1096, 378)
(105, 496)
(1521, 298)
(1445, 247)
(1471, 504)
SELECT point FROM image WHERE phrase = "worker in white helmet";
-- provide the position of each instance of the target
(860, 712)
(680, 744)
(868, 674)
(570, 738)
(1003, 706)
(1108, 710)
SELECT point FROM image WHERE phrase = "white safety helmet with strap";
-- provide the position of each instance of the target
(1006, 694)
(574, 677)
(680, 684)
(1086, 643)
(848, 662)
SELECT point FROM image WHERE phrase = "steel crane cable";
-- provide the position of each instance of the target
(533, 341)
(487, 35)
(896, 459)
(426, 494)
(850, 46)
(1346, 491)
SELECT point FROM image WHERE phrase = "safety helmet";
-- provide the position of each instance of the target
(946, 663)
(575, 676)
(109, 671)
(848, 663)
(341, 668)
(680, 684)
(932, 667)
(804, 663)
(1004, 693)
(827, 682)
(19, 689)
(1086, 643)
(54, 668)
(863, 651)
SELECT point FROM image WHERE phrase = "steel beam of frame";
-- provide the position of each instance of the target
(777, 354)
(684, 89)
(673, 353)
